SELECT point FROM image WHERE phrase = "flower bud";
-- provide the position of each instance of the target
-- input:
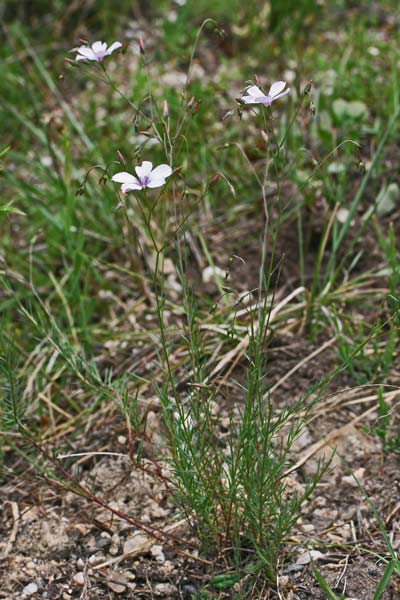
(141, 46)
(264, 137)
(121, 158)
(308, 87)
(165, 110)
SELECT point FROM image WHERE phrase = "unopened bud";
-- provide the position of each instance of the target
(82, 41)
(165, 109)
(308, 87)
(177, 170)
(141, 46)
(264, 136)
(121, 158)
(214, 180)
(256, 77)
(69, 61)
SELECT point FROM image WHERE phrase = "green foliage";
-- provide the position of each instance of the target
(12, 403)
(81, 263)
(285, 15)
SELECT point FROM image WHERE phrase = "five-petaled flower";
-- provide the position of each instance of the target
(97, 51)
(256, 96)
(147, 177)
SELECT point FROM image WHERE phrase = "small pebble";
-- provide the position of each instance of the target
(157, 553)
(165, 589)
(118, 588)
(29, 589)
(79, 579)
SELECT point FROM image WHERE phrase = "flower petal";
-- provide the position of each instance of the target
(162, 171)
(114, 47)
(282, 94)
(255, 91)
(253, 99)
(155, 183)
(276, 88)
(99, 47)
(87, 52)
(124, 177)
(127, 187)
(145, 169)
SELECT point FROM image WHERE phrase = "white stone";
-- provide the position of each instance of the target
(29, 589)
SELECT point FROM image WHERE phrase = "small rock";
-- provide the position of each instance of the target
(189, 588)
(211, 273)
(303, 440)
(95, 559)
(306, 557)
(118, 588)
(319, 502)
(349, 513)
(79, 579)
(117, 582)
(168, 567)
(29, 589)
(115, 544)
(134, 543)
(165, 589)
(157, 553)
(349, 479)
(325, 516)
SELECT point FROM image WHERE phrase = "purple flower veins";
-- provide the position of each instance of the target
(147, 177)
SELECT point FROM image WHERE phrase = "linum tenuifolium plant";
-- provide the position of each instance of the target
(235, 494)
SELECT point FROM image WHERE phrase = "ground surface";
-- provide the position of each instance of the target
(69, 548)
(122, 535)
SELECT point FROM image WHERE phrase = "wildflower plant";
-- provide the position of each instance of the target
(235, 493)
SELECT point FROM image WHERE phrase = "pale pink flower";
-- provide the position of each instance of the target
(147, 177)
(256, 96)
(97, 51)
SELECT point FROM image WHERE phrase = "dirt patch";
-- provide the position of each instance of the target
(62, 546)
